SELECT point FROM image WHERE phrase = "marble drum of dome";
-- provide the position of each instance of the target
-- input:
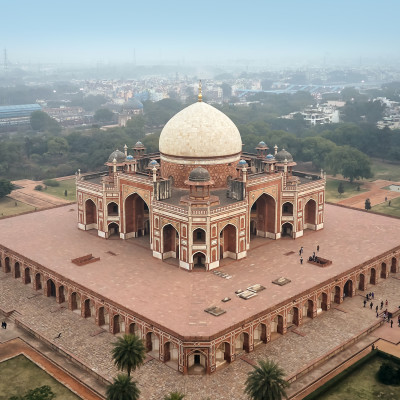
(200, 135)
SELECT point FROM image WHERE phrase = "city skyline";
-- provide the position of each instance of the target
(288, 32)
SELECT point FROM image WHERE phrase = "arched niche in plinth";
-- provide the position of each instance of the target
(134, 329)
(264, 212)
(17, 270)
(242, 342)
(171, 355)
(372, 277)
(75, 302)
(7, 265)
(38, 281)
(384, 272)
(90, 214)
(293, 317)
(310, 215)
(136, 217)
(50, 288)
(223, 354)
(393, 265)
(153, 345)
(170, 242)
(260, 334)
(27, 275)
(89, 309)
(348, 289)
(60, 294)
(103, 318)
(228, 238)
(362, 282)
(197, 362)
(337, 292)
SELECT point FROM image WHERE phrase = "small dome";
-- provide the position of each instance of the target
(282, 155)
(199, 174)
(129, 157)
(153, 163)
(118, 155)
(242, 162)
(139, 144)
(261, 144)
(269, 157)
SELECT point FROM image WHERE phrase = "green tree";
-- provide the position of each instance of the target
(57, 146)
(5, 187)
(266, 382)
(340, 188)
(367, 204)
(128, 353)
(123, 388)
(174, 396)
(41, 121)
(40, 393)
(103, 115)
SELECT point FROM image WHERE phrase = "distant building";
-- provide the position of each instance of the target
(12, 117)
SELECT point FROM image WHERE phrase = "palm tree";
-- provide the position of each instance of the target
(174, 396)
(128, 353)
(123, 388)
(266, 382)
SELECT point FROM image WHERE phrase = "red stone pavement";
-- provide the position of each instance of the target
(175, 298)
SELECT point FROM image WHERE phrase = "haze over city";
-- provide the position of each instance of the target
(284, 33)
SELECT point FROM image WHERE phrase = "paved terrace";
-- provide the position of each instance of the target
(175, 298)
(293, 351)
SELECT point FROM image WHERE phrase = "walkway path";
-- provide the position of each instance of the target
(376, 193)
(91, 345)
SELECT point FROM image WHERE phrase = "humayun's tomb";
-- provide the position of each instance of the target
(196, 248)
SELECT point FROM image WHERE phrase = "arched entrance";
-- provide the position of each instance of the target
(27, 276)
(260, 334)
(197, 363)
(171, 355)
(7, 267)
(242, 343)
(361, 282)
(338, 295)
(50, 288)
(153, 345)
(372, 278)
(103, 318)
(393, 267)
(118, 324)
(348, 289)
(89, 308)
(75, 302)
(61, 295)
(310, 215)
(90, 214)
(324, 303)
(170, 242)
(263, 211)
(17, 270)
(227, 242)
(38, 281)
(223, 354)
(383, 270)
(293, 317)
(134, 329)
(287, 230)
(199, 261)
(136, 215)
(113, 230)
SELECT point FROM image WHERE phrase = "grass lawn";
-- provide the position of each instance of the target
(384, 208)
(58, 191)
(362, 384)
(382, 170)
(19, 374)
(8, 207)
(350, 189)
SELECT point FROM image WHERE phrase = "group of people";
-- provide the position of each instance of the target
(311, 258)
(386, 315)
(4, 325)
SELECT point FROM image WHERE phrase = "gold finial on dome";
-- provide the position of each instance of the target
(200, 96)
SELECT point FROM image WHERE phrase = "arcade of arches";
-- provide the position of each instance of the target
(171, 350)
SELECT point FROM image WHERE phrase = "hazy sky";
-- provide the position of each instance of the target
(198, 31)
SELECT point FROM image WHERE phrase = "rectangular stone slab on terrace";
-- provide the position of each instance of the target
(175, 298)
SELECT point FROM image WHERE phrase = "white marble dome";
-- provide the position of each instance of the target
(200, 131)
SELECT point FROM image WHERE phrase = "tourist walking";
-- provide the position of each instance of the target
(317, 248)
(376, 309)
(391, 323)
(381, 304)
(372, 294)
(386, 303)
(365, 302)
(371, 305)
(301, 260)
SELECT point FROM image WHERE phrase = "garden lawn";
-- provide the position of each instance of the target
(350, 189)
(59, 191)
(386, 171)
(19, 374)
(384, 208)
(10, 206)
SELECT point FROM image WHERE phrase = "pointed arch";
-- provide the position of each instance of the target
(310, 214)
(136, 221)
(170, 242)
(228, 237)
(264, 212)
(90, 214)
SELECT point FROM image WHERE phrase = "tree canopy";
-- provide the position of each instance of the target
(41, 121)
(128, 353)
(5, 187)
(123, 388)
